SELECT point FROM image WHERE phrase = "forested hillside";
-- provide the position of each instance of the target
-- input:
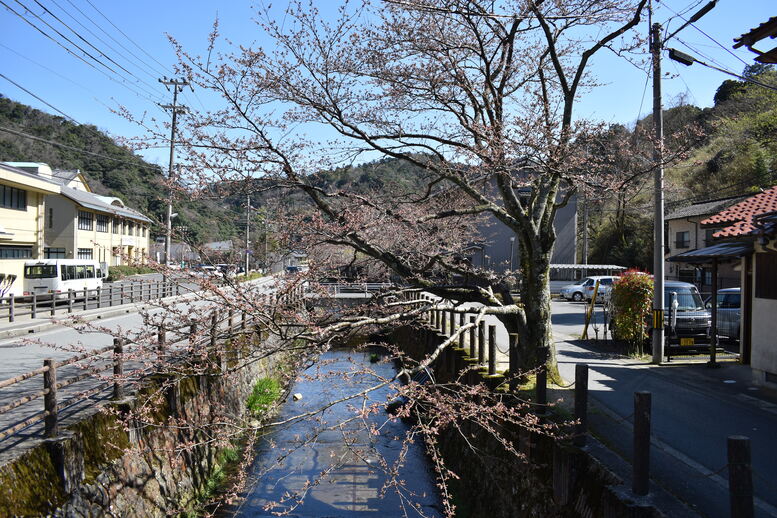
(117, 172)
(735, 152)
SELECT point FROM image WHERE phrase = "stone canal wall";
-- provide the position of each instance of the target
(107, 465)
(554, 479)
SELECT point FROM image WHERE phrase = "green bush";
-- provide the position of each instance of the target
(266, 391)
(631, 299)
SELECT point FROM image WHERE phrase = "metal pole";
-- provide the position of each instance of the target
(248, 229)
(714, 308)
(658, 187)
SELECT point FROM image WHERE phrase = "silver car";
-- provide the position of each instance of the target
(729, 313)
(573, 291)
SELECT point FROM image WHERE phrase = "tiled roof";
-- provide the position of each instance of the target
(704, 208)
(739, 218)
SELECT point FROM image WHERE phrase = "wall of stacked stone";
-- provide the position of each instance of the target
(552, 479)
(107, 465)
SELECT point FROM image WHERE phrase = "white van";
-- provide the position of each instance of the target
(57, 276)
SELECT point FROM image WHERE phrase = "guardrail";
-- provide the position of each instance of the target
(35, 305)
(364, 287)
(223, 325)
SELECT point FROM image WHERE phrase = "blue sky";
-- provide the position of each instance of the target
(136, 31)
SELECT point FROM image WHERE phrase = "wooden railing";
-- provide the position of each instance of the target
(35, 305)
(222, 326)
(355, 287)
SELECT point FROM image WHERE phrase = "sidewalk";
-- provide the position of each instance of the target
(694, 410)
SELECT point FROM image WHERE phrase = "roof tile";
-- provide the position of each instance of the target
(739, 217)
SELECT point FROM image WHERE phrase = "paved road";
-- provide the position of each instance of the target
(694, 410)
(23, 354)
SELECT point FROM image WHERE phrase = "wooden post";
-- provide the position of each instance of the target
(53, 304)
(641, 464)
(542, 380)
(50, 399)
(481, 342)
(193, 332)
(513, 357)
(243, 321)
(34, 308)
(161, 338)
(118, 368)
(70, 297)
(132, 292)
(443, 321)
(491, 350)
(231, 321)
(740, 477)
(461, 335)
(121, 294)
(110, 295)
(214, 328)
(99, 297)
(472, 341)
(581, 403)
(86, 299)
(452, 320)
(11, 307)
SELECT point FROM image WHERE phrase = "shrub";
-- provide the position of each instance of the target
(116, 273)
(266, 391)
(631, 299)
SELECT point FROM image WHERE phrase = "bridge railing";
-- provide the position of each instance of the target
(336, 288)
(222, 326)
(49, 304)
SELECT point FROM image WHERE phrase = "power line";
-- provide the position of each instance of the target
(69, 51)
(65, 115)
(125, 35)
(79, 150)
(152, 72)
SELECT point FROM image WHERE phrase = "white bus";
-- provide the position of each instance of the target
(56, 276)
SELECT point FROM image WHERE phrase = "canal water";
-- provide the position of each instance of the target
(353, 450)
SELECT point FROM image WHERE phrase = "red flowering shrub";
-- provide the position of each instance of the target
(631, 298)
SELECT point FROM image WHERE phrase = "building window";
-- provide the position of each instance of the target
(708, 239)
(54, 253)
(15, 252)
(144, 232)
(13, 198)
(85, 253)
(102, 223)
(766, 276)
(682, 239)
(126, 226)
(130, 229)
(116, 226)
(51, 218)
(85, 220)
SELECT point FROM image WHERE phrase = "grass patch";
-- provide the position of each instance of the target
(265, 393)
(119, 272)
(250, 277)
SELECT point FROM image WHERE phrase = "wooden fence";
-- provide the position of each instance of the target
(35, 305)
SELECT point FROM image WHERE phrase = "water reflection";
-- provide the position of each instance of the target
(350, 455)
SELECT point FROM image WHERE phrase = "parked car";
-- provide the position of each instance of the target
(573, 291)
(692, 321)
(729, 312)
(605, 285)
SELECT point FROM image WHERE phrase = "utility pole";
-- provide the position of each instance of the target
(585, 235)
(656, 46)
(658, 186)
(177, 85)
(248, 231)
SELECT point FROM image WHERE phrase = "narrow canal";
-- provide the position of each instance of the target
(338, 461)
